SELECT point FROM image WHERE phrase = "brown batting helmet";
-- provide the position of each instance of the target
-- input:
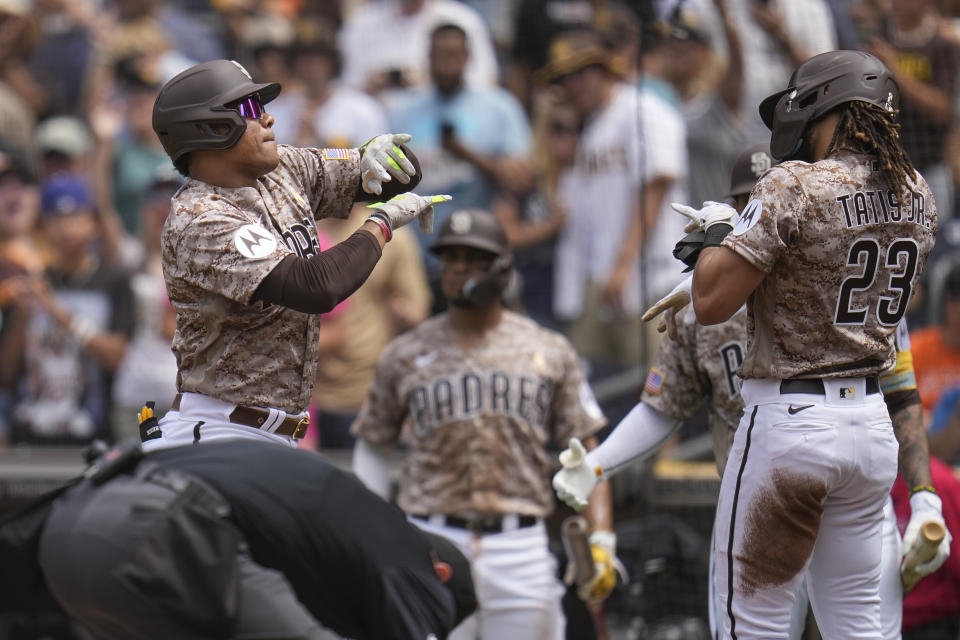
(478, 229)
(818, 85)
(193, 101)
(471, 228)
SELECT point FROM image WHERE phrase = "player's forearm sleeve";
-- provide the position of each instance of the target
(372, 468)
(319, 283)
(641, 433)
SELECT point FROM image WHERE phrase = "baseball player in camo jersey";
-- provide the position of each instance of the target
(826, 254)
(700, 362)
(484, 392)
(240, 255)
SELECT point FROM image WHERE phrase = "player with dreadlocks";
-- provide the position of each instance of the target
(826, 255)
(863, 128)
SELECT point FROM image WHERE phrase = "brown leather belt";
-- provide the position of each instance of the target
(292, 426)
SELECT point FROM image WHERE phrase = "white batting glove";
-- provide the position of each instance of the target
(712, 213)
(670, 305)
(926, 506)
(402, 209)
(381, 159)
(575, 481)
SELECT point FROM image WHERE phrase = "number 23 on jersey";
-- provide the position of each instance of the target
(868, 259)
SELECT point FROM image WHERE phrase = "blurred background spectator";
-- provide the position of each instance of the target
(532, 218)
(79, 321)
(925, 61)
(65, 145)
(936, 348)
(61, 58)
(148, 368)
(318, 110)
(22, 100)
(20, 256)
(130, 153)
(393, 299)
(538, 22)
(614, 252)
(385, 44)
(780, 33)
(710, 90)
(470, 139)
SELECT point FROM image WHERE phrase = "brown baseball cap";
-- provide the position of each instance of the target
(750, 164)
(573, 50)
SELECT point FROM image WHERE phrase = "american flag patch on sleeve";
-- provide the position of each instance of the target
(336, 154)
(654, 382)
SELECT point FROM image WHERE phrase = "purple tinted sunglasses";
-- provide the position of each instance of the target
(249, 107)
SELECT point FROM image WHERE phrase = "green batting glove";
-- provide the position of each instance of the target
(382, 160)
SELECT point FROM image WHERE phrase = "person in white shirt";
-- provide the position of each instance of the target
(614, 254)
(401, 60)
(322, 111)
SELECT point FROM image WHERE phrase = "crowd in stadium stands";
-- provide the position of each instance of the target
(576, 122)
(577, 147)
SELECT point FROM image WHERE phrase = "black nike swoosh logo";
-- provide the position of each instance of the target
(792, 409)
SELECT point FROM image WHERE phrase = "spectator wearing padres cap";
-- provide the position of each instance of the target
(80, 316)
(613, 254)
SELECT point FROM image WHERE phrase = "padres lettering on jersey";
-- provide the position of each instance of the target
(482, 421)
(218, 245)
(842, 258)
(301, 237)
(451, 398)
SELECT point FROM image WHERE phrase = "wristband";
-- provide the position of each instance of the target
(383, 224)
(923, 487)
(715, 234)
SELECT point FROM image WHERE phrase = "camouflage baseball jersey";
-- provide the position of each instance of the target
(702, 363)
(842, 258)
(218, 245)
(479, 422)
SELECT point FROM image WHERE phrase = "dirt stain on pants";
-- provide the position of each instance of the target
(780, 530)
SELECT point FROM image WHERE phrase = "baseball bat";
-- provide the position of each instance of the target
(574, 532)
(923, 550)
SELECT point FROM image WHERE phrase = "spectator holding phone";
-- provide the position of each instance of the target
(470, 140)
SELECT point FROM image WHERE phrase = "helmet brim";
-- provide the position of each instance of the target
(769, 105)
(467, 241)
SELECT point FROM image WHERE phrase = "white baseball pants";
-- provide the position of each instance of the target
(515, 576)
(803, 491)
(205, 419)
